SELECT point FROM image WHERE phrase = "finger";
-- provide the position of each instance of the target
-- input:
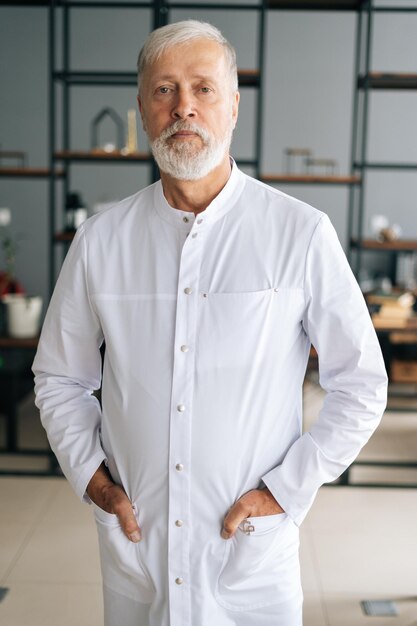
(128, 522)
(238, 512)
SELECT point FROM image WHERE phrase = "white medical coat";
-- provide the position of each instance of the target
(207, 323)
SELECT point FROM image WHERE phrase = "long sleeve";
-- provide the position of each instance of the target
(67, 370)
(352, 373)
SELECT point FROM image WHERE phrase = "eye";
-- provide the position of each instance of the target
(163, 90)
(205, 89)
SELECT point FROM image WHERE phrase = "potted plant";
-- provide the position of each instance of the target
(19, 313)
(8, 282)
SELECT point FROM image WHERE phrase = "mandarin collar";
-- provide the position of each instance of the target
(219, 206)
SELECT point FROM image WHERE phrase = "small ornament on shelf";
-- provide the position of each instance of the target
(383, 231)
(107, 147)
(75, 211)
(9, 155)
(294, 157)
(19, 314)
(132, 134)
(9, 244)
(329, 165)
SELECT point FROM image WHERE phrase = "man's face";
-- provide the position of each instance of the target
(188, 108)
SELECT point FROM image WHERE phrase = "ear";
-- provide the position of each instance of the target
(140, 106)
(235, 107)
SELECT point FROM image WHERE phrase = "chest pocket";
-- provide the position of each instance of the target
(247, 328)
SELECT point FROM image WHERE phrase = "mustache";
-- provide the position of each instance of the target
(179, 125)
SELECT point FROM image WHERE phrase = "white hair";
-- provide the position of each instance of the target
(180, 33)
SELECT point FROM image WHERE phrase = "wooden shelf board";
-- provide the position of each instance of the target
(401, 326)
(28, 172)
(248, 78)
(64, 237)
(388, 80)
(11, 342)
(310, 179)
(78, 155)
(397, 245)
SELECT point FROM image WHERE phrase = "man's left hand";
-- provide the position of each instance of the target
(255, 503)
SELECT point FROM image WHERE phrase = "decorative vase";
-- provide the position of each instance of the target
(23, 315)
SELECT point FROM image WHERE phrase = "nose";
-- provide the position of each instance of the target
(183, 106)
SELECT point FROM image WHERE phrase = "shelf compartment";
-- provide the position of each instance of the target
(387, 80)
(310, 179)
(399, 245)
(28, 172)
(100, 157)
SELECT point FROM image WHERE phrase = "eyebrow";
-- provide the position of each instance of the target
(173, 77)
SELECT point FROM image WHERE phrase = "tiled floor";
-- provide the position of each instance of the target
(357, 543)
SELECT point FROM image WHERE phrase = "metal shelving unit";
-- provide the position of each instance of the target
(60, 161)
(367, 81)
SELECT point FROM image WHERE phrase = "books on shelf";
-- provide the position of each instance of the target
(391, 310)
(394, 298)
(389, 322)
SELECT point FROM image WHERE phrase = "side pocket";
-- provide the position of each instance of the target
(260, 568)
(121, 563)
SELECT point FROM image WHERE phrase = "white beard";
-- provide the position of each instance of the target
(183, 160)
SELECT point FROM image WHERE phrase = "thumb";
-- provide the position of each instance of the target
(234, 517)
(128, 521)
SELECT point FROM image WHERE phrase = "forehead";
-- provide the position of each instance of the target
(198, 57)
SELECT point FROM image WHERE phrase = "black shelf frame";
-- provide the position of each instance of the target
(366, 82)
(93, 78)
(387, 80)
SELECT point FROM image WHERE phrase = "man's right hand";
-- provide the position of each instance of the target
(113, 499)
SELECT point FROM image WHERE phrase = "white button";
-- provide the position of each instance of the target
(188, 290)
(179, 467)
(194, 235)
(179, 581)
(199, 220)
(185, 219)
(184, 348)
(276, 289)
(181, 408)
(179, 522)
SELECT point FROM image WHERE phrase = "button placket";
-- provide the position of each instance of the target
(180, 429)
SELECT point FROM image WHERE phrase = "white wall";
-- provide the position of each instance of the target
(308, 102)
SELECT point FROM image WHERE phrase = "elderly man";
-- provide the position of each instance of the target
(207, 289)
